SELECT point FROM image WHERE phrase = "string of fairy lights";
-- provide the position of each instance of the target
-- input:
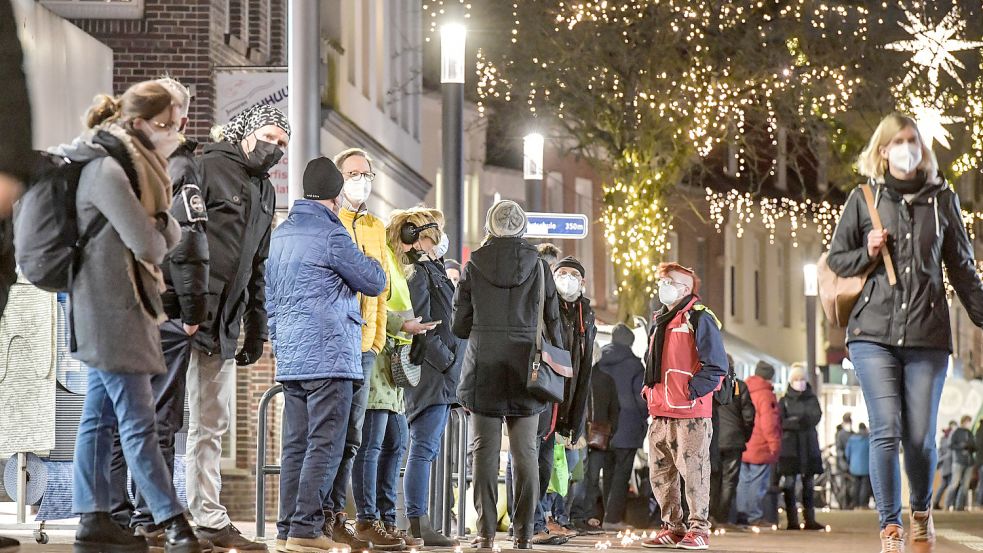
(706, 99)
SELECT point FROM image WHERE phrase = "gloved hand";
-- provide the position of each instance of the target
(251, 351)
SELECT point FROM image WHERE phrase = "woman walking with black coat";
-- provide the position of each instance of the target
(899, 335)
(800, 458)
(496, 309)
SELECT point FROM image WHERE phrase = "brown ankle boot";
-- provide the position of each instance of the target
(922, 531)
(892, 539)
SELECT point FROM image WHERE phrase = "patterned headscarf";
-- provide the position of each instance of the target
(248, 120)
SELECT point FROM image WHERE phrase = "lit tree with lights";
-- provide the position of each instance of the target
(648, 90)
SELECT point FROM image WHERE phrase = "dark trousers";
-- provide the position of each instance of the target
(616, 464)
(546, 439)
(336, 494)
(940, 491)
(723, 485)
(808, 498)
(313, 411)
(169, 391)
(487, 432)
(862, 490)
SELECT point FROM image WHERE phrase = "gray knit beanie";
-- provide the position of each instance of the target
(506, 219)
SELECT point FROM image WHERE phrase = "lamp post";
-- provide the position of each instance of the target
(304, 113)
(452, 68)
(532, 170)
(811, 281)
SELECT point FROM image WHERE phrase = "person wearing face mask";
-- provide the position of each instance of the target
(685, 364)
(800, 457)
(116, 310)
(899, 336)
(569, 418)
(418, 236)
(369, 235)
(183, 300)
(318, 375)
(239, 200)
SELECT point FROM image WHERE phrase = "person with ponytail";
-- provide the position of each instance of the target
(899, 336)
(116, 310)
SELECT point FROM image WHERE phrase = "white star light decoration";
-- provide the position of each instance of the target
(933, 47)
(931, 121)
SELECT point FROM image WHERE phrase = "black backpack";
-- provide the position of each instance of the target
(728, 389)
(47, 238)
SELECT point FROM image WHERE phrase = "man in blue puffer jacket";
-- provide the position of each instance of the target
(313, 275)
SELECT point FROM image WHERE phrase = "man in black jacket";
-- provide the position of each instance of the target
(570, 417)
(15, 155)
(733, 419)
(962, 447)
(843, 434)
(239, 200)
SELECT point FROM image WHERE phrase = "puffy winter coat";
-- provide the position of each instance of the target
(370, 236)
(801, 413)
(618, 361)
(925, 231)
(432, 294)
(495, 309)
(766, 440)
(736, 419)
(240, 218)
(314, 272)
(858, 454)
(186, 266)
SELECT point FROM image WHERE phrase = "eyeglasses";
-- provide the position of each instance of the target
(670, 282)
(368, 175)
(169, 127)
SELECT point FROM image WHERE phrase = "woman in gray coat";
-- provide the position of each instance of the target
(116, 309)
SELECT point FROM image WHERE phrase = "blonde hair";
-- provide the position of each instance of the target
(418, 216)
(872, 165)
(352, 152)
(180, 92)
(143, 100)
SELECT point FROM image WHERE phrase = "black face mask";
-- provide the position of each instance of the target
(263, 157)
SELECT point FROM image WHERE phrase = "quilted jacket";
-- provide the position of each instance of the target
(313, 274)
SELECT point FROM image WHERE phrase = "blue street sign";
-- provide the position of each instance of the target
(566, 226)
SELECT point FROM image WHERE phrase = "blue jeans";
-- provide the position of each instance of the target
(375, 473)
(751, 490)
(426, 430)
(335, 495)
(126, 400)
(313, 410)
(902, 387)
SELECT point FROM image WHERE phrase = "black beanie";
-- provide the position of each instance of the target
(765, 370)
(622, 335)
(571, 262)
(452, 264)
(322, 180)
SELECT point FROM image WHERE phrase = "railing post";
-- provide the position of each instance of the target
(261, 468)
(462, 471)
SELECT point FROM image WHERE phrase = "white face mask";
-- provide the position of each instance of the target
(668, 294)
(440, 250)
(568, 287)
(905, 157)
(799, 385)
(357, 190)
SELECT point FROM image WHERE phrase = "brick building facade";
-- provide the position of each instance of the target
(188, 39)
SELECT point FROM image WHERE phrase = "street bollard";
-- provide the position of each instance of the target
(262, 469)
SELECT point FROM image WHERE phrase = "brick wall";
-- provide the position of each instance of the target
(187, 40)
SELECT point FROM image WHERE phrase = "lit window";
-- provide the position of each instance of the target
(96, 9)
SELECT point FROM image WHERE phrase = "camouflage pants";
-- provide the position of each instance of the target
(681, 447)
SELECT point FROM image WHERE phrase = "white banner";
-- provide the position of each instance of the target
(239, 89)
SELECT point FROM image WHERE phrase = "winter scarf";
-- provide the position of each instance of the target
(653, 369)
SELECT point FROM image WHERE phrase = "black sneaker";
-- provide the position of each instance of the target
(8, 545)
(179, 537)
(228, 538)
(98, 533)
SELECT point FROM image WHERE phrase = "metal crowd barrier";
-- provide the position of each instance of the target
(451, 464)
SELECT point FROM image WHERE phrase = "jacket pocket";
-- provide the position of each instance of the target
(872, 311)
(676, 389)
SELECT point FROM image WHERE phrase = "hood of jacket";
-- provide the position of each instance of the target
(613, 355)
(506, 262)
(756, 384)
(82, 149)
(227, 150)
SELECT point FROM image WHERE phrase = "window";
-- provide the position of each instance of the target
(96, 9)
(554, 189)
(585, 247)
(784, 290)
(672, 255)
(701, 257)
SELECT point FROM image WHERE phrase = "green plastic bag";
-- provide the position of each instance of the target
(560, 478)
